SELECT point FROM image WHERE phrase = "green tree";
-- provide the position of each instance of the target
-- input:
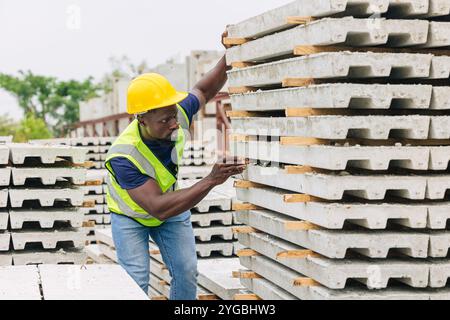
(7, 126)
(55, 102)
(32, 127)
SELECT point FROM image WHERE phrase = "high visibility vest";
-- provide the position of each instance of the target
(129, 145)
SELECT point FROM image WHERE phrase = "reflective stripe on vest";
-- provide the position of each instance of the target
(134, 152)
(122, 205)
(130, 145)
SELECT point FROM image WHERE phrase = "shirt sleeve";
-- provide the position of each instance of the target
(191, 105)
(127, 175)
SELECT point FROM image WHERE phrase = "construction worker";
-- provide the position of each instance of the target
(142, 164)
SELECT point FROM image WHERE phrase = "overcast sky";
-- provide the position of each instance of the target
(74, 39)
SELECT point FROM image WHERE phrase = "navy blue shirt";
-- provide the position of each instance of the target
(129, 177)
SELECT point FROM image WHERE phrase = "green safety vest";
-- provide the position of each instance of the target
(129, 145)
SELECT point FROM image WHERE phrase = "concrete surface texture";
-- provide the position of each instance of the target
(93, 252)
(4, 155)
(206, 219)
(338, 157)
(105, 236)
(46, 197)
(334, 274)
(70, 256)
(216, 276)
(286, 279)
(343, 127)
(19, 283)
(352, 65)
(3, 198)
(89, 282)
(4, 219)
(48, 176)
(338, 243)
(346, 96)
(5, 176)
(346, 31)
(275, 20)
(332, 186)
(46, 219)
(5, 259)
(335, 215)
(48, 239)
(5, 239)
(46, 153)
(206, 234)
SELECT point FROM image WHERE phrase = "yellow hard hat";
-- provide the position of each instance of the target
(151, 91)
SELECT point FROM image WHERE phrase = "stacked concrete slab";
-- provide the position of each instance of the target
(215, 279)
(213, 219)
(344, 118)
(97, 215)
(96, 211)
(41, 200)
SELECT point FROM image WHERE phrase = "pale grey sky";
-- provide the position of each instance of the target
(74, 39)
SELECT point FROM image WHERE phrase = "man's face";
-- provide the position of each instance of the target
(161, 123)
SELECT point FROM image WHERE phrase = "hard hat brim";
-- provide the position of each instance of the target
(177, 98)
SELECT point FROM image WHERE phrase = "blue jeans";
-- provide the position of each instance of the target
(176, 242)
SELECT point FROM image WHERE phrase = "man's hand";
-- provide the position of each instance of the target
(225, 168)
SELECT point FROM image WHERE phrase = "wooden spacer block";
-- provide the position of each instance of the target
(299, 198)
(301, 141)
(244, 184)
(300, 226)
(299, 169)
(234, 41)
(244, 229)
(305, 282)
(246, 275)
(306, 112)
(307, 50)
(296, 254)
(240, 90)
(207, 296)
(94, 183)
(88, 204)
(241, 114)
(159, 298)
(241, 64)
(246, 296)
(299, 20)
(88, 224)
(298, 82)
(247, 253)
(244, 206)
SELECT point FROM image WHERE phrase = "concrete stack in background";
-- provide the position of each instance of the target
(96, 210)
(97, 215)
(6, 139)
(42, 199)
(345, 120)
(197, 153)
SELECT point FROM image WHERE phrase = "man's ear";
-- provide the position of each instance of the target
(140, 119)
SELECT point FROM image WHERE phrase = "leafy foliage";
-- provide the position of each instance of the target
(55, 102)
